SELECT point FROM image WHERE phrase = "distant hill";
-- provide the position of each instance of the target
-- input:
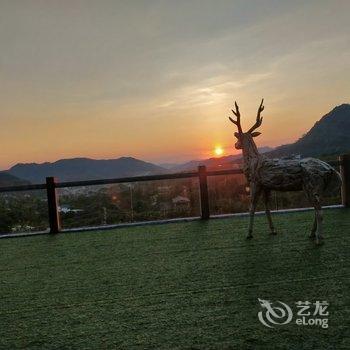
(213, 163)
(169, 165)
(329, 136)
(7, 179)
(209, 163)
(84, 169)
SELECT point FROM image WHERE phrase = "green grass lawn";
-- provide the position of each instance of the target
(188, 285)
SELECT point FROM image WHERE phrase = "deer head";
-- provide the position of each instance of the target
(244, 137)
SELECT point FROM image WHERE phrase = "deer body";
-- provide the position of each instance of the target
(310, 175)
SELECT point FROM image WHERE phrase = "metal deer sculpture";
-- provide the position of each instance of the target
(310, 175)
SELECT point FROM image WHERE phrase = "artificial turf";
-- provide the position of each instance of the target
(177, 286)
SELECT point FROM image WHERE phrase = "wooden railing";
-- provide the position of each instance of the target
(202, 174)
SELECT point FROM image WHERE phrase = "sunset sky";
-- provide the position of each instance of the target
(156, 79)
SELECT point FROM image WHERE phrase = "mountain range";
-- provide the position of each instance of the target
(329, 136)
(84, 169)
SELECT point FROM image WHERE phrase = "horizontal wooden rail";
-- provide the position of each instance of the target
(224, 172)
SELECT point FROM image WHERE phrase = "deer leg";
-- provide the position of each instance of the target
(255, 192)
(267, 211)
(318, 219)
(314, 228)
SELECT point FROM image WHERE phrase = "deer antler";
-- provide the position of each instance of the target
(258, 118)
(238, 115)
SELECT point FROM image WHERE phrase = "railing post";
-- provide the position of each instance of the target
(52, 202)
(203, 187)
(345, 174)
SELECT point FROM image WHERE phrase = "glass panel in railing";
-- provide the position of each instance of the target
(91, 206)
(228, 194)
(24, 211)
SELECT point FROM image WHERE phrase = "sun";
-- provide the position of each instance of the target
(218, 150)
